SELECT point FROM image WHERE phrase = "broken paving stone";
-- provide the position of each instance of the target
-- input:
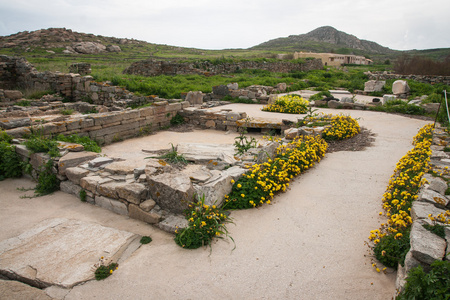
(10, 289)
(60, 252)
(173, 223)
(100, 161)
(73, 159)
(75, 174)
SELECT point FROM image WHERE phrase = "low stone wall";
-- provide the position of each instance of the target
(431, 79)
(155, 68)
(112, 126)
(426, 246)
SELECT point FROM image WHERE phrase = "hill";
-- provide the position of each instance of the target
(325, 39)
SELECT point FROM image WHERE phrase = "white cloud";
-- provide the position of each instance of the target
(216, 24)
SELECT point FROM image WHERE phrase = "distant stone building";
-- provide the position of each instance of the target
(332, 59)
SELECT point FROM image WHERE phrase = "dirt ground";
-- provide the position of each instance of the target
(308, 244)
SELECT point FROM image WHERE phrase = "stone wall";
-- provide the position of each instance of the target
(431, 79)
(154, 68)
(18, 73)
(111, 126)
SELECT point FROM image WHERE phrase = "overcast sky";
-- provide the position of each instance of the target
(215, 24)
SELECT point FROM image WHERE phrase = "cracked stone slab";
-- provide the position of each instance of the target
(61, 252)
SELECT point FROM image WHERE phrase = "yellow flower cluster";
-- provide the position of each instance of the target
(291, 104)
(402, 190)
(263, 181)
(204, 223)
(442, 217)
(342, 127)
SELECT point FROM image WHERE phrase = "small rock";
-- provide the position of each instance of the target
(147, 205)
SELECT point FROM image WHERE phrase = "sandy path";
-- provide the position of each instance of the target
(309, 244)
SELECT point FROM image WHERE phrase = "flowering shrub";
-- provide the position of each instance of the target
(290, 104)
(391, 241)
(342, 127)
(262, 181)
(205, 223)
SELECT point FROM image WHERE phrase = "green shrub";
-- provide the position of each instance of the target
(67, 112)
(23, 103)
(177, 120)
(320, 95)
(83, 195)
(392, 249)
(437, 229)
(432, 285)
(38, 144)
(39, 94)
(10, 163)
(47, 180)
(89, 144)
(103, 272)
(145, 240)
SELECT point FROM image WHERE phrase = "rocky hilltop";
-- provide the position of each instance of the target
(73, 42)
(324, 39)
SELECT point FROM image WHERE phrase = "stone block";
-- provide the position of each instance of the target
(210, 124)
(100, 162)
(291, 133)
(133, 192)
(75, 174)
(434, 198)
(172, 192)
(110, 189)
(421, 210)
(22, 150)
(135, 212)
(146, 111)
(13, 94)
(147, 205)
(374, 86)
(70, 188)
(334, 104)
(400, 87)
(90, 183)
(215, 189)
(437, 184)
(123, 167)
(73, 159)
(425, 245)
(15, 123)
(111, 204)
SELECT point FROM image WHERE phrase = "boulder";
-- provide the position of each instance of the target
(220, 90)
(233, 86)
(430, 108)
(281, 87)
(291, 133)
(113, 48)
(89, 48)
(172, 192)
(347, 100)
(425, 245)
(400, 87)
(334, 104)
(195, 98)
(374, 86)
